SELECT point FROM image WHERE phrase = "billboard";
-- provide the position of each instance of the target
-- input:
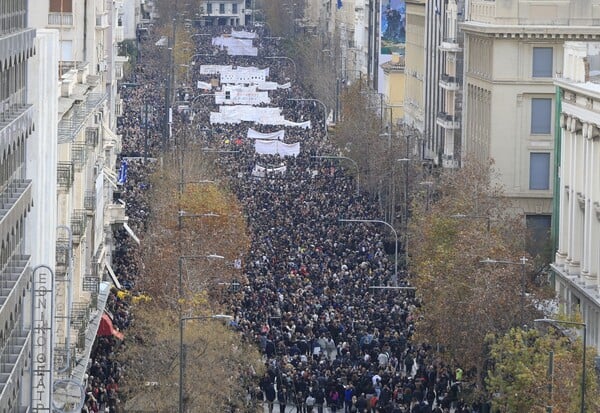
(392, 36)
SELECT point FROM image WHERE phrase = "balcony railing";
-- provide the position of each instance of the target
(448, 121)
(60, 19)
(450, 44)
(65, 174)
(89, 201)
(78, 224)
(449, 82)
(78, 155)
(90, 283)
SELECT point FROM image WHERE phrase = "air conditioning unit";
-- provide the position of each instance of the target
(102, 66)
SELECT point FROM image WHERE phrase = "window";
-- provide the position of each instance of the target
(59, 6)
(541, 115)
(209, 8)
(222, 8)
(538, 233)
(66, 50)
(542, 62)
(234, 8)
(539, 170)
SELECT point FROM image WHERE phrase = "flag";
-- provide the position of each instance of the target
(122, 173)
(339, 4)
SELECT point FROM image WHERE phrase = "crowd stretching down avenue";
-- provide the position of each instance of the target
(329, 341)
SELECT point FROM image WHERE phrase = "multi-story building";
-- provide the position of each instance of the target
(16, 197)
(225, 12)
(78, 83)
(414, 97)
(577, 195)
(447, 135)
(434, 77)
(512, 52)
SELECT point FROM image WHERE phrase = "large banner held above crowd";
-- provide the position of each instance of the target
(252, 134)
(271, 147)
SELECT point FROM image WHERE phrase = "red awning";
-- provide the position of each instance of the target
(106, 328)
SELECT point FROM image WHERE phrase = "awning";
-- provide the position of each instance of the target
(106, 328)
(113, 276)
(131, 233)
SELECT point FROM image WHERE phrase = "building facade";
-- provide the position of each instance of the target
(414, 98)
(447, 135)
(225, 12)
(17, 123)
(77, 79)
(577, 261)
(513, 50)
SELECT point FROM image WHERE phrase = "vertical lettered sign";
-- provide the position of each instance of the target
(42, 339)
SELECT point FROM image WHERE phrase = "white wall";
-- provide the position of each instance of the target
(42, 147)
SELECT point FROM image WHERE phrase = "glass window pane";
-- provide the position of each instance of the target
(541, 115)
(542, 62)
(539, 170)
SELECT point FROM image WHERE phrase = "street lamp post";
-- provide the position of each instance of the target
(522, 262)
(348, 159)
(584, 327)
(405, 209)
(324, 110)
(378, 221)
(182, 321)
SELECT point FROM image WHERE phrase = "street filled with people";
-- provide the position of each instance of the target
(330, 341)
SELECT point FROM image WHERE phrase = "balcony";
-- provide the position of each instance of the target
(78, 155)
(90, 283)
(11, 192)
(102, 20)
(65, 174)
(451, 83)
(14, 358)
(89, 202)
(116, 214)
(78, 224)
(448, 121)
(60, 19)
(451, 45)
(14, 280)
(69, 127)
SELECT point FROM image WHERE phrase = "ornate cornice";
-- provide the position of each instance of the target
(532, 32)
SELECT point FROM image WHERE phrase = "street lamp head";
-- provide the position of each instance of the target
(221, 317)
(403, 160)
(215, 256)
(488, 261)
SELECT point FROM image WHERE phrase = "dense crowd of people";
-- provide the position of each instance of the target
(330, 341)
